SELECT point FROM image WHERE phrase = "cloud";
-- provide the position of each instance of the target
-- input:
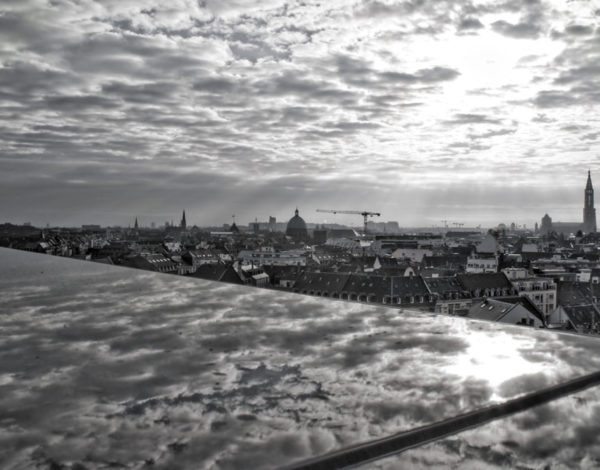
(522, 440)
(559, 98)
(432, 75)
(517, 30)
(493, 133)
(579, 30)
(469, 23)
(258, 90)
(472, 118)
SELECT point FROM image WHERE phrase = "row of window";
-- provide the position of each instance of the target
(536, 287)
(409, 299)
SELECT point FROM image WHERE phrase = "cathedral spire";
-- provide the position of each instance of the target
(589, 213)
(183, 223)
(136, 224)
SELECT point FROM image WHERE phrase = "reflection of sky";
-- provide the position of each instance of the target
(101, 364)
(559, 435)
(496, 359)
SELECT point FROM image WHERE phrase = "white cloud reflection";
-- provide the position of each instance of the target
(111, 366)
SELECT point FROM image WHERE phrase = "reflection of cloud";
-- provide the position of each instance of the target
(187, 373)
(562, 434)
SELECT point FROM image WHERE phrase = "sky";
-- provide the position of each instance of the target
(189, 373)
(475, 112)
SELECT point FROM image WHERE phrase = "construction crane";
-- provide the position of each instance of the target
(365, 214)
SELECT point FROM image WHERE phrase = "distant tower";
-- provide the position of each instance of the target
(546, 226)
(589, 213)
(183, 222)
(135, 226)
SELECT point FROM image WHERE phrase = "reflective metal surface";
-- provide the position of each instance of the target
(105, 365)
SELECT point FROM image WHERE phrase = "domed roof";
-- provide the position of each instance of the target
(296, 227)
(296, 222)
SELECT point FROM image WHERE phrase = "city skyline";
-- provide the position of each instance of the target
(475, 112)
(341, 218)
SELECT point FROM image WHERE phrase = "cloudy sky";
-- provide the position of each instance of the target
(471, 111)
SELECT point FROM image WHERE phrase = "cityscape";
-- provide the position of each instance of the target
(299, 235)
(545, 277)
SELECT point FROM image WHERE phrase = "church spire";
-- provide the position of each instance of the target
(183, 221)
(589, 213)
(136, 224)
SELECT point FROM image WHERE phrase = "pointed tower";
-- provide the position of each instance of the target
(183, 224)
(589, 213)
(136, 224)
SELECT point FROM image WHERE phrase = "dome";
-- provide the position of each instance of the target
(296, 228)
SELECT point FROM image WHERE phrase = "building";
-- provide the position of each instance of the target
(320, 236)
(571, 228)
(450, 297)
(151, 262)
(482, 265)
(394, 290)
(269, 256)
(576, 307)
(589, 212)
(514, 311)
(484, 258)
(321, 284)
(282, 276)
(486, 285)
(414, 254)
(296, 228)
(196, 258)
(362, 287)
(540, 290)
(218, 272)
